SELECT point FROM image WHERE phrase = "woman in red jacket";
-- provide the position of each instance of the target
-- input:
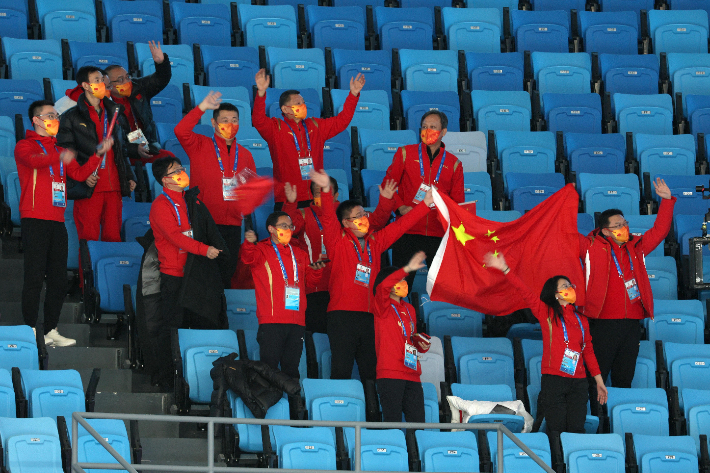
(565, 342)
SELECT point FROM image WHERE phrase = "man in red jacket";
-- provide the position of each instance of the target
(296, 143)
(43, 168)
(416, 169)
(214, 165)
(618, 290)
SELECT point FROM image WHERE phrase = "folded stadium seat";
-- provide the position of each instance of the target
(167, 105)
(495, 71)
(376, 66)
(12, 197)
(336, 155)
(698, 113)
(311, 97)
(31, 445)
(640, 224)
(515, 460)
(665, 154)
(585, 223)
(677, 321)
(609, 191)
(546, 31)
(321, 352)
(442, 319)
(32, 59)
(241, 309)
(334, 399)
(689, 74)
(542, 5)
(73, 238)
(7, 136)
(296, 68)
(525, 151)
(337, 27)
(601, 154)
(492, 393)
(202, 24)
(688, 365)
(7, 394)
(113, 431)
(417, 103)
(683, 188)
(340, 175)
(573, 112)
(499, 215)
(248, 437)
(379, 146)
(526, 190)
(371, 178)
(309, 448)
(293, 3)
(13, 19)
(471, 149)
(643, 113)
(477, 187)
(494, 110)
(135, 219)
(447, 451)
(645, 372)
(562, 73)
(433, 372)
(592, 453)
(643, 411)
(133, 21)
(75, 21)
(264, 25)
(665, 454)
(53, 393)
(435, 71)
(380, 449)
(400, 28)
(627, 74)
(100, 55)
(663, 275)
(483, 361)
(476, 30)
(372, 109)
(432, 395)
(696, 408)
(532, 349)
(626, 5)
(678, 31)
(609, 32)
(591, 423)
(227, 66)
(181, 62)
(237, 96)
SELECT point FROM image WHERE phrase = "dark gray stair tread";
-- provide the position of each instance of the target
(170, 451)
(11, 312)
(85, 357)
(134, 403)
(112, 380)
(72, 313)
(79, 332)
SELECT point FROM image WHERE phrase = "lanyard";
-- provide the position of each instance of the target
(103, 159)
(411, 324)
(320, 227)
(357, 250)
(281, 263)
(616, 262)
(421, 164)
(564, 328)
(61, 164)
(219, 157)
(176, 210)
(295, 140)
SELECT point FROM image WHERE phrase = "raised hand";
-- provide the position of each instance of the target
(356, 84)
(390, 188)
(211, 102)
(67, 156)
(105, 146)
(321, 179)
(262, 81)
(156, 51)
(661, 188)
(250, 236)
(416, 263)
(290, 191)
(495, 262)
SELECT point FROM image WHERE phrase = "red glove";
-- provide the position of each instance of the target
(422, 342)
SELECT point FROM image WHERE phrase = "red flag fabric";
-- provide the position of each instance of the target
(253, 193)
(539, 245)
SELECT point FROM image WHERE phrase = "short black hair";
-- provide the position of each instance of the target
(333, 186)
(161, 166)
(345, 208)
(286, 96)
(273, 219)
(82, 75)
(606, 215)
(112, 67)
(442, 116)
(384, 272)
(34, 106)
(226, 106)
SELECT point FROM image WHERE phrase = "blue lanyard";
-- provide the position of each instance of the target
(320, 227)
(103, 159)
(616, 262)
(421, 164)
(564, 328)
(61, 164)
(357, 250)
(177, 212)
(295, 140)
(411, 324)
(281, 263)
(219, 157)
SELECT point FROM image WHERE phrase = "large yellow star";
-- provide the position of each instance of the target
(461, 234)
(495, 238)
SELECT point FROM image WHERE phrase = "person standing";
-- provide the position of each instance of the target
(214, 164)
(296, 142)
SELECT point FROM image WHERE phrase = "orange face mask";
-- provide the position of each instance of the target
(182, 179)
(622, 234)
(401, 289)
(125, 89)
(284, 236)
(317, 201)
(429, 137)
(228, 130)
(568, 295)
(299, 111)
(99, 90)
(362, 224)
(51, 126)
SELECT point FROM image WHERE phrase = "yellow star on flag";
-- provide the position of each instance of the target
(495, 238)
(461, 234)
(495, 253)
(490, 232)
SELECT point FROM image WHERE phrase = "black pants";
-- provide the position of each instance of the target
(563, 402)
(232, 235)
(352, 338)
(409, 244)
(616, 346)
(398, 396)
(317, 312)
(45, 246)
(281, 344)
(301, 204)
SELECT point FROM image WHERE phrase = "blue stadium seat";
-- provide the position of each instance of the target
(495, 111)
(663, 275)
(515, 460)
(337, 153)
(526, 190)
(497, 4)
(323, 354)
(12, 197)
(424, 3)
(309, 448)
(112, 431)
(380, 449)
(592, 453)
(237, 96)
(167, 139)
(689, 73)
(628, 74)
(417, 103)
(100, 55)
(198, 349)
(31, 445)
(472, 30)
(133, 21)
(665, 154)
(296, 69)
(337, 27)
(585, 223)
(7, 394)
(592, 153)
(293, 3)
(252, 140)
(546, 31)
(685, 227)
(645, 372)
(32, 59)
(626, 5)
(526, 151)
(7, 136)
(562, 73)
(696, 408)
(61, 21)
(135, 227)
(495, 71)
(643, 113)
(531, 349)
(640, 224)
(379, 146)
(492, 393)
(447, 451)
(642, 411)
(376, 66)
(202, 24)
(437, 71)
(677, 321)
(311, 97)
(477, 187)
(442, 318)
(334, 399)
(609, 32)
(543, 5)
(226, 66)
(241, 309)
(181, 62)
(499, 215)
(697, 109)
(167, 105)
(689, 365)
(250, 439)
(53, 393)
(683, 188)
(433, 374)
(573, 112)
(678, 31)
(609, 191)
(484, 360)
(114, 264)
(269, 25)
(372, 110)
(471, 149)
(400, 28)
(665, 454)
(370, 180)
(13, 20)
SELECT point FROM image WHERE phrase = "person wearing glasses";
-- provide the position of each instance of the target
(135, 95)
(618, 290)
(566, 339)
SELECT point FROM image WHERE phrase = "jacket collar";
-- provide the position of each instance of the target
(108, 105)
(46, 140)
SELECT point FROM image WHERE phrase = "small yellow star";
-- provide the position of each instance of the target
(461, 234)
(490, 232)
(495, 253)
(495, 238)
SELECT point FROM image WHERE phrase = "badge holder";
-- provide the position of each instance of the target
(292, 297)
(229, 188)
(362, 275)
(137, 137)
(59, 194)
(569, 362)
(632, 289)
(306, 165)
(421, 193)
(410, 356)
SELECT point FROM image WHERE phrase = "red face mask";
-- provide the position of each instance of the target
(568, 295)
(401, 289)
(228, 130)
(429, 136)
(284, 236)
(125, 89)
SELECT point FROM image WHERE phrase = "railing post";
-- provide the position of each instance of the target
(210, 446)
(500, 450)
(357, 447)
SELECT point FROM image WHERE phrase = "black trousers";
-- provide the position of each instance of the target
(232, 235)
(281, 344)
(399, 396)
(409, 244)
(563, 403)
(301, 204)
(45, 254)
(317, 312)
(616, 346)
(352, 338)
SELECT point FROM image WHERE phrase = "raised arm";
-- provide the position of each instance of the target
(261, 122)
(653, 237)
(184, 129)
(382, 293)
(386, 205)
(156, 82)
(538, 308)
(291, 208)
(332, 126)
(249, 252)
(331, 226)
(393, 231)
(457, 187)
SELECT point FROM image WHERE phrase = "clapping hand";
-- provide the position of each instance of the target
(390, 188)
(290, 191)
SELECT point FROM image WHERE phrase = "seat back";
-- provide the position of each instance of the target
(665, 454)
(484, 360)
(678, 31)
(432, 364)
(665, 154)
(645, 372)
(372, 110)
(182, 62)
(167, 105)
(638, 411)
(296, 69)
(100, 55)
(273, 25)
(53, 393)
(573, 112)
(337, 27)
(133, 21)
(32, 58)
(331, 399)
(562, 73)
(643, 113)
(696, 408)
(477, 187)
(587, 453)
(31, 445)
(601, 154)
(380, 450)
(514, 459)
(437, 72)
(202, 24)
(376, 66)
(471, 149)
(114, 265)
(237, 96)
(630, 74)
(447, 451)
(250, 439)
(75, 23)
(226, 66)
(7, 394)
(689, 73)
(305, 448)
(525, 151)
(609, 32)
(546, 31)
(689, 365)
(13, 22)
(492, 393)
(241, 309)
(495, 71)
(18, 347)
(416, 103)
(112, 431)
(495, 111)
(472, 30)
(379, 146)
(608, 191)
(404, 28)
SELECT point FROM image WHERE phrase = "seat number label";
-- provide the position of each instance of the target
(611, 192)
(641, 409)
(213, 351)
(699, 363)
(452, 452)
(339, 401)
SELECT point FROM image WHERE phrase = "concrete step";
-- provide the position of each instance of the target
(112, 380)
(141, 403)
(169, 451)
(85, 357)
(79, 332)
(72, 313)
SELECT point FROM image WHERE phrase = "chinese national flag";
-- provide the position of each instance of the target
(539, 245)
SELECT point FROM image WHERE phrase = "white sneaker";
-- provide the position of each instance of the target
(58, 340)
(48, 342)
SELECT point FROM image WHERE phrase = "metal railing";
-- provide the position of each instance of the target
(79, 418)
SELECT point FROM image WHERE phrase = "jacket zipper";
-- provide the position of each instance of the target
(34, 186)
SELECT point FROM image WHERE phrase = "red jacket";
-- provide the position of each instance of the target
(172, 245)
(389, 339)
(35, 180)
(108, 176)
(205, 172)
(345, 294)
(606, 296)
(284, 154)
(406, 172)
(269, 282)
(553, 340)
